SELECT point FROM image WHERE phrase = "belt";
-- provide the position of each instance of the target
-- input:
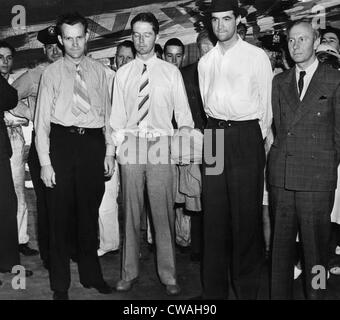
(148, 134)
(77, 130)
(231, 123)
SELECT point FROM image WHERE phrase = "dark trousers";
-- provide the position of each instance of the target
(232, 214)
(73, 204)
(40, 192)
(9, 246)
(309, 214)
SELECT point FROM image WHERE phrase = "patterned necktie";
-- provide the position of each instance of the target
(143, 98)
(81, 99)
(300, 83)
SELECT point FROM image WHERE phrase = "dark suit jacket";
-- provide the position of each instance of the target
(190, 78)
(306, 150)
(8, 100)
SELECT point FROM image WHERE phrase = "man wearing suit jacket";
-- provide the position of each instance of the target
(303, 161)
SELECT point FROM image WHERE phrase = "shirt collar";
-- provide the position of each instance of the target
(235, 46)
(148, 62)
(310, 70)
(71, 65)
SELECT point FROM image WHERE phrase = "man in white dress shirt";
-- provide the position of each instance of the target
(235, 83)
(147, 92)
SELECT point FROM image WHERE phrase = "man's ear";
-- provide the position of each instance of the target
(157, 38)
(87, 36)
(60, 39)
(238, 20)
(44, 50)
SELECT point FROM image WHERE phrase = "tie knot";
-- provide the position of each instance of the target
(302, 74)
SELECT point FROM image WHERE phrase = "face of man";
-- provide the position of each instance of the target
(53, 52)
(6, 61)
(224, 25)
(123, 56)
(144, 38)
(204, 46)
(302, 44)
(174, 55)
(74, 40)
(331, 39)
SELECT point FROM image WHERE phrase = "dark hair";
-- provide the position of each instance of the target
(127, 44)
(292, 24)
(71, 18)
(174, 42)
(146, 17)
(5, 44)
(158, 49)
(330, 30)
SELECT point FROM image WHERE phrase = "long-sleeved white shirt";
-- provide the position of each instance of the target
(237, 85)
(167, 97)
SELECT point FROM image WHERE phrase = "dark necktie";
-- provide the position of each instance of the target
(143, 97)
(300, 83)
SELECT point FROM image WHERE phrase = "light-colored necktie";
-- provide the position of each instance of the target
(143, 98)
(82, 102)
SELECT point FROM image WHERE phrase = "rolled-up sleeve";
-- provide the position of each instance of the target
(42, 121)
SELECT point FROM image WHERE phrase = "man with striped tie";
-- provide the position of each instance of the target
(147, 92)
(75, 151)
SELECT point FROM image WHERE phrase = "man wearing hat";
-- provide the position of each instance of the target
(235, 83)
(27, 87)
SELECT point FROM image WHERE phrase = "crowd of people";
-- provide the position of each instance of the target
(258, 184)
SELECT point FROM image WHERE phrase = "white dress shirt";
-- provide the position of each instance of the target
(307, 78)
(236, 85)
(167, 97)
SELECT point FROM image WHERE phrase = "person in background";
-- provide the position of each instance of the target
(331, 36)
(9, 248)
(16, 136)
(109, 235)
(27, 86)
(126, 52)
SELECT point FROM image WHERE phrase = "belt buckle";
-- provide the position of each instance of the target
(81, 131)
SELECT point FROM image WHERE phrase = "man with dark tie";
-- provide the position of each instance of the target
(303, 162)
(75, 150)
(147, 92)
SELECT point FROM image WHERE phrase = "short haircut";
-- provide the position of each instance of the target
(127, 44)
(5, 44)
(302, 21)
(158, 49)
(174, 42)
(71, 19)
(146, 17)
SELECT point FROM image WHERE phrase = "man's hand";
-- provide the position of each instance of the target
(48, 176)
(109, 165)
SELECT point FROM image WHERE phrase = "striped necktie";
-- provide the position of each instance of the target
(143, 98)
(81, 99)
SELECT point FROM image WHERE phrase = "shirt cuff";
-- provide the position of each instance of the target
(44, 160)
(110, 150)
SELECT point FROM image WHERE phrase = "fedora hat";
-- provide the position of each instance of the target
(223, 5)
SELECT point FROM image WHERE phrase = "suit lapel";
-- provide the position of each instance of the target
(289, 89)
(313, 91)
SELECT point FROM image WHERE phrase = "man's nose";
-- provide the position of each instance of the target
(174, 60)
